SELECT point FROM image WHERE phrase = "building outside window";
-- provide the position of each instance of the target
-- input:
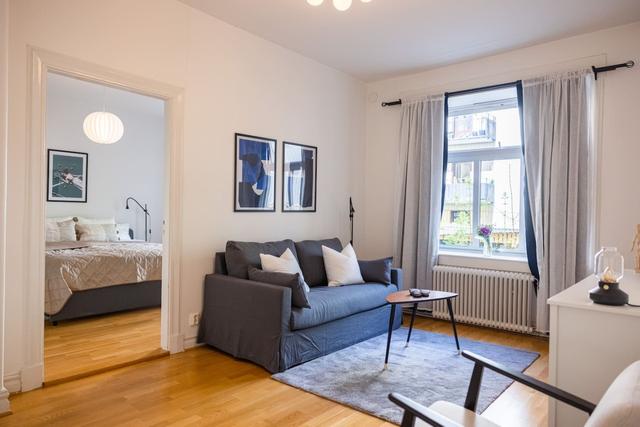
(484, 182)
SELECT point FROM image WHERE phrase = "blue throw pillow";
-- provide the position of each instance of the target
(376, 271)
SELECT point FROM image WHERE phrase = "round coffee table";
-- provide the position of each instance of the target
(403, 297)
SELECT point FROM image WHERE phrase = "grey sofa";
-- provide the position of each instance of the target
(256, 321)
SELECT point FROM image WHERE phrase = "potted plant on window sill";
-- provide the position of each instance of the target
(484, 234)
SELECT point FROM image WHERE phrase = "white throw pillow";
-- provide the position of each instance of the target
(285, 263)
(63, 231)
(83, 220)
(342, 267)
(122, 233)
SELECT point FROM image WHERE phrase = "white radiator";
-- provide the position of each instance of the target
(496, 299)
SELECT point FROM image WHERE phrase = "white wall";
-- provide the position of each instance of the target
(134, 166)
(234, 82)
(619, 208)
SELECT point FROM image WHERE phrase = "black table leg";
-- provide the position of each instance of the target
(413, 318)
(453, 322)
(391, 319)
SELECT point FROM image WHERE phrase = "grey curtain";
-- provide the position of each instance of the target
(559, 154)
(419, 190)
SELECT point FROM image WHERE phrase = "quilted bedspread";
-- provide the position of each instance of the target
(97, 266)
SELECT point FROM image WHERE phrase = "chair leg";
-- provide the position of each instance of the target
(471, 402)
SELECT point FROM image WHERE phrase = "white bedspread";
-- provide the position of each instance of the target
(97, 266)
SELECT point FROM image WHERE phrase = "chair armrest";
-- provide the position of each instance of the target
(397, 277)
(548, 389)
(245, 318)
(413, 410)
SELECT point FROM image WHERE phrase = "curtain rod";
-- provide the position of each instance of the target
(596, 71)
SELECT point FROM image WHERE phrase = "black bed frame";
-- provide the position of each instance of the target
(111, 299)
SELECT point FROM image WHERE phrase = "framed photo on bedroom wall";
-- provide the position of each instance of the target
(299, 177)
(67, 176)
(254, 174)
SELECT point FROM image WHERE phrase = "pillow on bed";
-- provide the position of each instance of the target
(95, 232)
(122, 233)
(63, 231)
(82, 220)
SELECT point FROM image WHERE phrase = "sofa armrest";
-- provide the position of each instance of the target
(245, 318)
(397, 277)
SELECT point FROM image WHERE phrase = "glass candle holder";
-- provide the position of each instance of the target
(609, 269)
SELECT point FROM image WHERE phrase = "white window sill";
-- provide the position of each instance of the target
(474, 260)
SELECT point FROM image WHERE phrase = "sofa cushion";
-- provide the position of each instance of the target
(378, 270)
(332, 303)
(239, 256)
(298, 288)
(311, 262)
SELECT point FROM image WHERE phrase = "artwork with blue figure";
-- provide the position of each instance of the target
(255, 173)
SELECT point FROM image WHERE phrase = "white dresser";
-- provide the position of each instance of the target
(590, 344)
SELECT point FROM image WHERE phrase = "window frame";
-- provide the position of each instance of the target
(477, 156)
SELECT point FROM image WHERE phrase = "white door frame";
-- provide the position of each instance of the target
(41, 62)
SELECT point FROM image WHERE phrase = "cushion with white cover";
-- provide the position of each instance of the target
(95, 232)
(63, 231)
(122, 233)
(342, 267)
(83, 220)
(285, 263)
(620, 405)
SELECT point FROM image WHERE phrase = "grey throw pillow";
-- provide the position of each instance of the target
(376, 271)
(299, 297)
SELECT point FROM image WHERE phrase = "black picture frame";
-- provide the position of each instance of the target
(245, 199)
(72, 181)
(313, 198)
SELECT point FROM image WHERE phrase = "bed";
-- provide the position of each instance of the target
(92, 278)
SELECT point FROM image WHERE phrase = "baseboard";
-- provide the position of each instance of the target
(176, 343)
(192, 342)
(32, 377)
(12, 382)
(5, 407)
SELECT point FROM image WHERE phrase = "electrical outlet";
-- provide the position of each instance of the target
(194, 319)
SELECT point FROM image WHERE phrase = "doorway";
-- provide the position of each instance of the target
(103, 227)
(42, 63)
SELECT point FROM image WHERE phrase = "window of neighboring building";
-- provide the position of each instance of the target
(484, 178)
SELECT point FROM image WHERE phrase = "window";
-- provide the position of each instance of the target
(484, 178)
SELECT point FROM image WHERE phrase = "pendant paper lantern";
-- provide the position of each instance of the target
(102, 127)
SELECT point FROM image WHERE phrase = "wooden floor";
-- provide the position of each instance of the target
(82, 347)
(205, 387)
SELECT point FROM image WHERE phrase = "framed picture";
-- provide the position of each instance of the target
(299, 177)
(255, 174)
(67, 176)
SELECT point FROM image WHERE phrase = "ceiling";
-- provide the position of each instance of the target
(390, 37)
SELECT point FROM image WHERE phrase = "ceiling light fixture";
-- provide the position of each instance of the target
(103, 127)
(340, 5)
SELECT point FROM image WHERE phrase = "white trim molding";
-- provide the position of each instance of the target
(472, 260)
(41, 63)
(13, 382)
(4, 125)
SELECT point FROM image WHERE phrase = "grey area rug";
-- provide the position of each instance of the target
(429, 370)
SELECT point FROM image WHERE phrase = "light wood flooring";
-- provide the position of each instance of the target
(205, 387)
(82, 347)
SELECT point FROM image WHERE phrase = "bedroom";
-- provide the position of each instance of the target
(104, 214)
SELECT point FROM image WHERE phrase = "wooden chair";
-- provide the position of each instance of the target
(620, 405)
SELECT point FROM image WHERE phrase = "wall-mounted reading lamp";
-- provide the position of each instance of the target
(147, 230)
